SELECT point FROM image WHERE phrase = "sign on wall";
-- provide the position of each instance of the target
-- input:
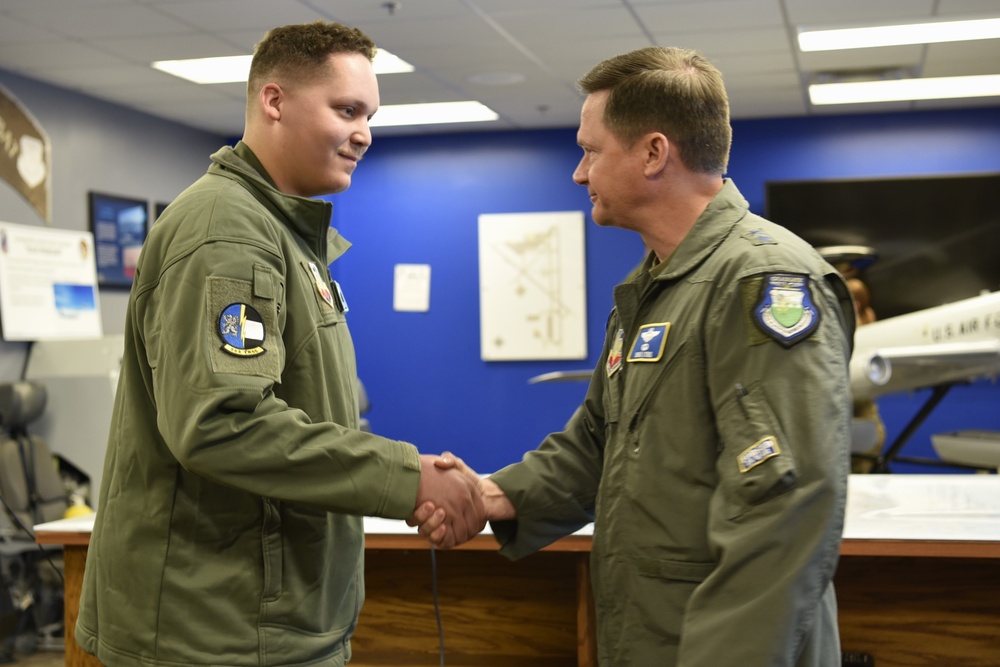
(48, 284)
(532, 290)
(25, 160)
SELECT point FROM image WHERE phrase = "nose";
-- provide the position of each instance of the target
(362, 135)
(580, 173)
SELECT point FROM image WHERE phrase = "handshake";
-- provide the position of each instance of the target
(454, 503)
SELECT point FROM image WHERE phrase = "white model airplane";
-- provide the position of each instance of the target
(952, 343)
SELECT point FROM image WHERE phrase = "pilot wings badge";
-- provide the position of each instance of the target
(785, 310)
(650, 342)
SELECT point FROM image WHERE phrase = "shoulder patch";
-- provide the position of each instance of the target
(785, 310)
(757, 237)
(241, 329)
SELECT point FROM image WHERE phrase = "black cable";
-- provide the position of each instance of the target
(437, 607)
(17, 520)
(27, 356)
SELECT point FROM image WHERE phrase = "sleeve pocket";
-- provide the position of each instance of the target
(756, 462)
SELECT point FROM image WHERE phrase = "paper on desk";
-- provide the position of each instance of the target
(923, 507)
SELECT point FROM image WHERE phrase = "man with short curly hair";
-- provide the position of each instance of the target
(237, 478)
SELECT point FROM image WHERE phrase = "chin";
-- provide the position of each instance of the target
(337, 185)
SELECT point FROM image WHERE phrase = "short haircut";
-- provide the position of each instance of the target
(669, 90)
(294, 53)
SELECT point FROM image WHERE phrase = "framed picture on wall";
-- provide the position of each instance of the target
(119, 225)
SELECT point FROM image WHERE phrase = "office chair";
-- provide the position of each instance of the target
(32, 492)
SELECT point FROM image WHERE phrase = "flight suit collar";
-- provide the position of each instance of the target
(308, 218)
(715, 223)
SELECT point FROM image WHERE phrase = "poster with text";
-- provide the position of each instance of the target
(48, 284)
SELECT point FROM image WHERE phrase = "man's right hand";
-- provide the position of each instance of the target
(432, 520)
(454, 497)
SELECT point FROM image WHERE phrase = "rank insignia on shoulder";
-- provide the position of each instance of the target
(757, 237)
(650, 342)
(757, 453)
(241, 329)
(785, 310)
(615, 355)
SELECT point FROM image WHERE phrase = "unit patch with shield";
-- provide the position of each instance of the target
(785, 310)
(650, 342)
(241, 329)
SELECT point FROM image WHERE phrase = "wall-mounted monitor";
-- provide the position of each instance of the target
(119, 225)
(936, 237)
(158, 209)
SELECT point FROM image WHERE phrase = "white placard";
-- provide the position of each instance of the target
(48, 283)
(532, 291)
(412, 288)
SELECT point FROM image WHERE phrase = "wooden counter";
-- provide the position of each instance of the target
(926, 594)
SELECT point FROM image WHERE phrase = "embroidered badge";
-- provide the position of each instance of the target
(757, 237)
(757, 453)
(615, 355)
(322, 286)
(785, 310)
(650, 342)
(241, 329)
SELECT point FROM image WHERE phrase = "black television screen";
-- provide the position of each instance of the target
(937, 238)
(119, 225)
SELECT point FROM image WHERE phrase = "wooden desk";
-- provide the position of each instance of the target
(917, 601)
(75, 542)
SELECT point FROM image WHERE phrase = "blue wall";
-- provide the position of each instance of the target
(417, 200)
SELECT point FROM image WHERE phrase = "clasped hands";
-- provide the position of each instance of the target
(454, 503)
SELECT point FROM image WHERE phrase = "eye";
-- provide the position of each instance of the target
(348, 111)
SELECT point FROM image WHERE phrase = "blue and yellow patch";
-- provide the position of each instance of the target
(650, 342)
(241, 329)
(757, 453)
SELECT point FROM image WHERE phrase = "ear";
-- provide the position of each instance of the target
(271, 99)
(656, 152)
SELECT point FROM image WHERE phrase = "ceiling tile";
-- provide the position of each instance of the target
(710, 15)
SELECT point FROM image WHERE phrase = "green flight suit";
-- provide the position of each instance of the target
(230, 527)
(711, 452)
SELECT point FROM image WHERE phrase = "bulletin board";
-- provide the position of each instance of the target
(48, 284)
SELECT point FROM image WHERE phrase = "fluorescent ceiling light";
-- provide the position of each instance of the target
(232, 69)
(432, 114)
(226, 69)
(896, 35)
(387, 63)
(896, 90)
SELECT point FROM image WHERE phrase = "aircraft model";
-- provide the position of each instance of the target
(955, 342)
(933, 348)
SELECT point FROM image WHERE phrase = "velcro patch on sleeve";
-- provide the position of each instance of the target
(242, 330)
